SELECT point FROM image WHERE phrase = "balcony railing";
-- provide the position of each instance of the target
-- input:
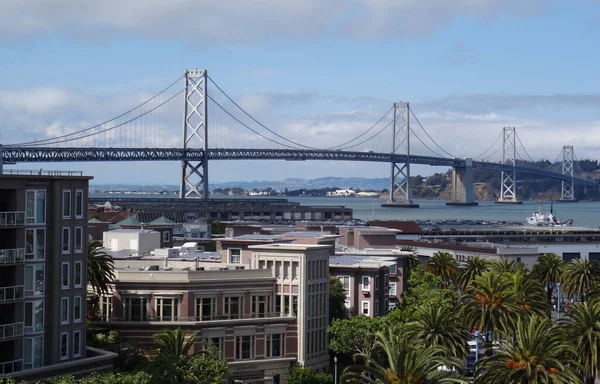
(9, 331)
(12, 219)
(10, 294)
(12, 256)
(11, 366)
(196, 318)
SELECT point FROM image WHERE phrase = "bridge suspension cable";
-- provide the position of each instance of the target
(107, 129)
(489, 148)
(365, 132)
(430, 138)
(523, 147)
(367, 139)
(51, 140)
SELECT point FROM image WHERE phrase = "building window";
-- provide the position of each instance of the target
(166, 235)
(78, 239)
(34, 280)
(77, 344)
(376, 308)
(64, 346)
(235, 256)
(213, 342)
(167, 309)
(366, 283)
(376, 283)
(77, 309)
(79, 204)
(66, 204)
(347, 306)
(393, 270)
(136, 309)
(345, 280)
(106, 307)
(34, 316)
(392, 289)
(33, 355)
(233, 307)
(365, 308)
(64, 310)
(78, 274)
(66, 240)
(261, 305)
(35, 207)
(35, 244)
(274, 347)
(206, 308)
(65, 275)
(244, 347)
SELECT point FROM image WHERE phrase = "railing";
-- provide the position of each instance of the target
(10, 294)
(11, 366)
(8, 331)
(41, 172)
(12, 219)
(195, 318)
(12, 256)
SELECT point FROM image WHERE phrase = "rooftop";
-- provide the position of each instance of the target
(361, 261)
(131, 230)
(288, 247)
(407, 227)
(40, 172)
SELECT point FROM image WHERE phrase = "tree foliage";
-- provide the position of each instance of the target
(337, 299)
(100, 268)
(304, 375)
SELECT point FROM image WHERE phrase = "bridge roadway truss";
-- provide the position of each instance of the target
(12, 155)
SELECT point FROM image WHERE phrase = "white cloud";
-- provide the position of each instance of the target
(235, 21)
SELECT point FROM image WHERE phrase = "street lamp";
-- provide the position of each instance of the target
(335, 380)
(477, 334)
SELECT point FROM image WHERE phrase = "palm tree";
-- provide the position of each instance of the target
(539, 355)
(172, 344)
(438, 327)
(100, 268)
(472, 268)
(548, 271)
(582, 327)
(491, 305)
(402, 362)
(442, 264)
(529, 294)
(412, 260)
(579, 277)
(505, 265)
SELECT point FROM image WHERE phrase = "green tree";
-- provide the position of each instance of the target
(207, 368)
(579, 277)
(539, 355)
(472, 268)
(140, 377)
(100, 268)
(509, 266)
(548, 271)
(582, 327)
(355, 334)
(442, 264)
(402, 362)
(529, 294)
(438, 327)
(304, 375)
(423, 288)
(217, 228)
(337, 299)
(491, 305)
(172, 344)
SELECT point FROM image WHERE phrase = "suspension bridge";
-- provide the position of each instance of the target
(146, 133)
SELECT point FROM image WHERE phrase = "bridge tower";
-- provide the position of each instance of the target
(194, 175)
(568, 187)
(508, 181)
(400, 195)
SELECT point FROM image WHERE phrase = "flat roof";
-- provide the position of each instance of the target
(288, 247)
(361, 261)
(132, 230)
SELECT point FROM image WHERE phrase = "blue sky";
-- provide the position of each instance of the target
(319, 72)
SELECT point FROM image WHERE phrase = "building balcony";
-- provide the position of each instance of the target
(11, 294)
(12, 219)
(197, 319)
(8, 367)
(11, 331)
(12, 256)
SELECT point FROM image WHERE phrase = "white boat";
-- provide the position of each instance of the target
(547, 219)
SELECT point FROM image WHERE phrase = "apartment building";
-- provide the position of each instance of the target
(229, 306)
(373, 284)
(302, 286)
(43, 278)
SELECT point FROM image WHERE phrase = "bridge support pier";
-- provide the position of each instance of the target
(508, 181)
(400, 194)
(194, 175)
(568, 187)
(463, 193)
(1, 160)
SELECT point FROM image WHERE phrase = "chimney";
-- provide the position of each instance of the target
(196, 264)
(167, 262)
